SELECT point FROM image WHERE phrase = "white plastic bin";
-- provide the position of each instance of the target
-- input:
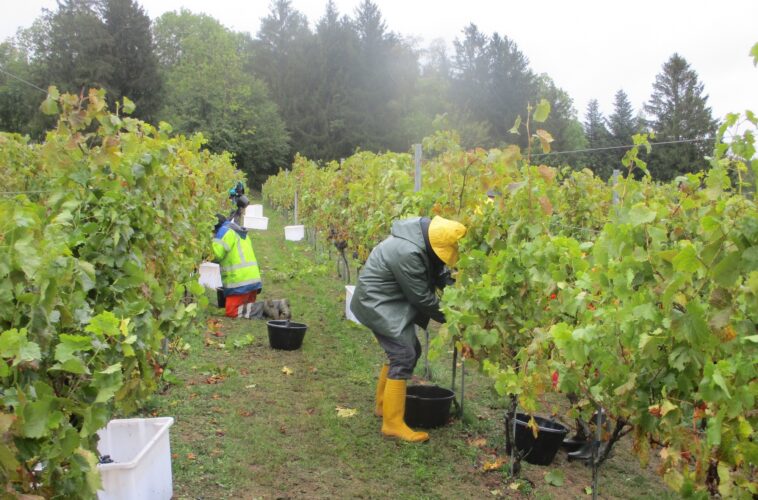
(141, 454)
(210, 275)
(254, 211)
(349, 290)
(253, 222)
(294, 233)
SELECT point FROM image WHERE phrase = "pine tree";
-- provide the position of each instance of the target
(284, 55)
(74, 47)
(596, 132)
(678, 111)
(622, 124)
(135, 71)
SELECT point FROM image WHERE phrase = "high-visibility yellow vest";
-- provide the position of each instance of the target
(239, 267)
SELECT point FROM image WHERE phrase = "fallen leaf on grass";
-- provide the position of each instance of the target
(515, 486)
(220, 433)
(282, 429)
(214, 379)
(555, 478)
(246, 413)
(346, 412)
(588, 490)
(191, 456)
(174, 456)
(478, 442)
(287, 371)
(494, 465)
(216, 396)
(314, 369)
(310, 411)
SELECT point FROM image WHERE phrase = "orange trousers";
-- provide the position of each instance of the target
(234, 301)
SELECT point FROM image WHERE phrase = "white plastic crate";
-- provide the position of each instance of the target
(294, 233)
(349, 291)
(210, 275)
(253, 222)
(141, 454)
(254, 211)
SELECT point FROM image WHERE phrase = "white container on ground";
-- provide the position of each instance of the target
(349, 291)
(210, 275)
(294, 233)
(141, 454)
(254, 211)
(253, 222)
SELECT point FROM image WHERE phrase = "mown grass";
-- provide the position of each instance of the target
(246, 429)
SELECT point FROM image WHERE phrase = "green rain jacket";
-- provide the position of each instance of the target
(396, 287)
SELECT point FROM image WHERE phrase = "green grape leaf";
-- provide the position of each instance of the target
(555, 477)
(686, 260)
(95, 418)
(14, 345)
(36, 416)
(72, 365)
(541, 111)
(50, 105)
(727, 271)
(128, 106)
(516, 126)
(104, 324)
(640, 214)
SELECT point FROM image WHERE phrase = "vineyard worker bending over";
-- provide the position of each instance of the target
(240, 275)
(396, 292)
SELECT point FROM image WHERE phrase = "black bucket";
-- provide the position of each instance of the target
(427, 406)
(286, 335)
(542, 449)
(220, 297)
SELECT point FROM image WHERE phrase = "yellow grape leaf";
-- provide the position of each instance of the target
(343, 412)
(287, 371)
(547, 173)
(494, 465)
(666, 407)
(534, 427)
(545, 139)
(547, 207)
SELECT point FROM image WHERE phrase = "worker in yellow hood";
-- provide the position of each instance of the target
(396, 292)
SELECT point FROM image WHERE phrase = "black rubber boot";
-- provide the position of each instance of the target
(585, 452)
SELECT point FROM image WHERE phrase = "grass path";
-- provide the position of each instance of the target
(246, 429)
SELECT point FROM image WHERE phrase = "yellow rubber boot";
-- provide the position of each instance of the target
(378, 408)
(393, 418)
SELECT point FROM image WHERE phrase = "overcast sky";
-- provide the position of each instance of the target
(591, 48)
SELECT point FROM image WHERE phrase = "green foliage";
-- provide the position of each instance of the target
(95, 267)
(212, 93)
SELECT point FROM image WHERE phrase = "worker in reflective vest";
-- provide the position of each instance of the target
(240, 274)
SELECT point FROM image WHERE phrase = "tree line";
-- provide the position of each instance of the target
(347, 83)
